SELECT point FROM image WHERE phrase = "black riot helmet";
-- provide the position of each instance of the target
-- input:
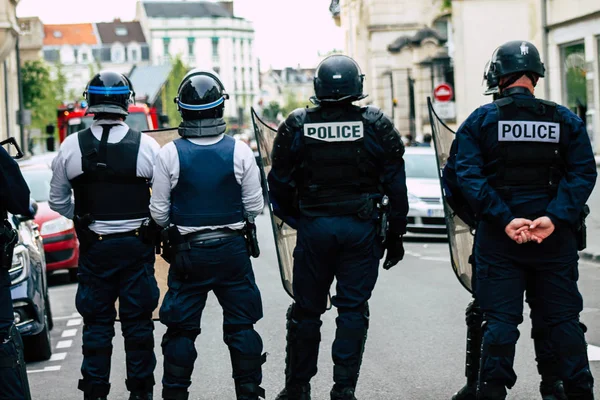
(201, 94)
(515, 58)
(338, 79)
(491, 87)
(109, 93)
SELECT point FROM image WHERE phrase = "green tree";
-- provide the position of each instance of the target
(60, 82)
(39, 93)
(446, 4)
(291, 103)
(271, 111)
(178, 71)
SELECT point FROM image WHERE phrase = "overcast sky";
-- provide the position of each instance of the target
(288, 32)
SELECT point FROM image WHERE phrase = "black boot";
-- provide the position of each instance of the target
(468, 392)
(300, 351)
(295, 392)
(553, 390)
(86, 397)
(141, 396)
(249, 391)
(474, 319)
(342, 394)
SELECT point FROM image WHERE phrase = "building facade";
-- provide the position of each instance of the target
(31, 40)
(206, 35)
(9, 79)
(403, 48)
(283, 85)
(80, 50)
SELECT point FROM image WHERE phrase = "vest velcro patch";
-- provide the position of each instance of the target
(528, 131)
(335, 131)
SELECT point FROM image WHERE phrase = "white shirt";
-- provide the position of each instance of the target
(166, 175)
(67, 166)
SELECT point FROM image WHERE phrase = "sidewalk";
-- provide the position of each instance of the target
(592, 252)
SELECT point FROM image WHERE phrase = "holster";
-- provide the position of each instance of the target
(85, 235)
(8, 240)
(251, 237)
(172, 243)
(581, 230)
(150, 233)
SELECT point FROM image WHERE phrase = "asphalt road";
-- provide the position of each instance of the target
(415, 349)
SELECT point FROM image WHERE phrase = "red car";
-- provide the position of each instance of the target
(60, 241)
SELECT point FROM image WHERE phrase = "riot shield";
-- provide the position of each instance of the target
(161, 267)
(285, 235)
(460, 236)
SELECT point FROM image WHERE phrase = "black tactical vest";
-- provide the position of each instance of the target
(109, 188)
(337, 175)
(528, 154)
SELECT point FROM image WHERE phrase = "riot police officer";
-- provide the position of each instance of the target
(551, 387)
(109, 167)
(332, 164)
(14, 198)
(205, 185)
(526, 168)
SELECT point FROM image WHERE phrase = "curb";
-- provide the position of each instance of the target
(589, 256)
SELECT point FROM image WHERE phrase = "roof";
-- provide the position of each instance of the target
(397, 45)
(147, 81)
(187, 9)
(117, 31)
(71, 34)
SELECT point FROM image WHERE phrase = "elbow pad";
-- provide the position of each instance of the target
(282, 145)
(385, 132)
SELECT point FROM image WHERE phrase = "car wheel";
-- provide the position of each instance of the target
(39, 347)
(73, 274)
(49, 312)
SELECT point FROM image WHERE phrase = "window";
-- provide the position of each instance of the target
(84, 57)
(191, 43)
(57, 34)
(243, 79)
(75, 53)
(105, 54)
(215, 47)
(121, 31)
(574, 78)
(251, 80)
(117, 53)
(166, 42)
(51, 55)
(134, 55)
(217, 70)
(235, 80)
(145, 53)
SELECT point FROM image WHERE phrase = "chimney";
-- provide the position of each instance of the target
(228, 5)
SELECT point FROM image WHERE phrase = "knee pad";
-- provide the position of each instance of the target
(90, 351)
(297, 313)
(139, 344)
(230, 329)
(175, 333)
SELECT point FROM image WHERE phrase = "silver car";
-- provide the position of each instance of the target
(426, 211)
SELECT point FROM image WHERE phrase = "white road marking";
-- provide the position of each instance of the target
(74, 322)
(64, 344)
(74, 315)
(593, 353)
(46, 369)
(412, 253)
(69, 333)
(443, 259)
(58, 357)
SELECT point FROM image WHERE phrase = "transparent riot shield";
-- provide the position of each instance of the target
(460, 236)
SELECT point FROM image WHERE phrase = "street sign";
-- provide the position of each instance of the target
(446, 110)
(443, 92)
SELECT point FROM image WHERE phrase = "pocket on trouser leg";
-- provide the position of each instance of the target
(170, 309)
(150, 288)
(86, 297)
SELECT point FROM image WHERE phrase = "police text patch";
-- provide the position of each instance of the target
(528, 131)
(335, 131)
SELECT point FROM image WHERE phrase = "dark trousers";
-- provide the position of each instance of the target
(502, 278)
(11, 381)
(222, 266)
(348, 249)
(120, 268)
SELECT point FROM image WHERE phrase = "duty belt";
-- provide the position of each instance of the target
(210, 235)
(135, 232)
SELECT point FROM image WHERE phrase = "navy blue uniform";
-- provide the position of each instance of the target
(330, 166)
(522, 157)
(205, 187)
(14, 198)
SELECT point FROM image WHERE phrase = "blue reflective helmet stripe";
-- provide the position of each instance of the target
(200, 107)
(109, 90)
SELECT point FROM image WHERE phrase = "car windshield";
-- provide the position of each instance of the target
(420, 166)
(38, 181)
(137, 121)
(86, 122)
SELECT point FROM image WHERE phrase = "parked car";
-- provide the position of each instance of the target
(426, 210)
(60, 241)
(29, 290)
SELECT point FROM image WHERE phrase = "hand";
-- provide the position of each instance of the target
(540, 229)
(395, 251)
(517, 230)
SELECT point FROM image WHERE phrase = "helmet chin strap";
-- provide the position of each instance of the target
(516, 77)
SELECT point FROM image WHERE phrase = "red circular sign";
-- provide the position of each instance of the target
(443, 92)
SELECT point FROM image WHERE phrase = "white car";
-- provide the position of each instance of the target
(426, 210)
